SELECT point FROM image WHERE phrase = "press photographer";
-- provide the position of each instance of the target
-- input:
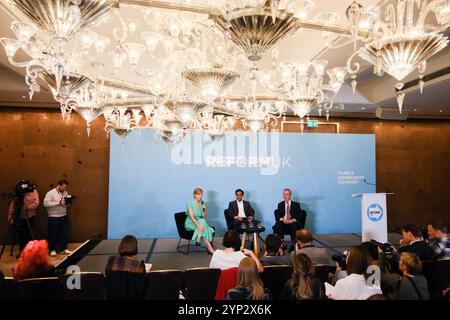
(57, 201)
(22, 211)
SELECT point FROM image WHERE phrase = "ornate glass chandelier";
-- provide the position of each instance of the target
(403, 42)
(302, 85)
(134, 74)
(256, 26)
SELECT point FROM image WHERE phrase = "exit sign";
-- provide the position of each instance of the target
(313, 124)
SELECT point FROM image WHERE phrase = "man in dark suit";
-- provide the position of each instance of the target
(239, 210)
(289, 217)
(412, 242)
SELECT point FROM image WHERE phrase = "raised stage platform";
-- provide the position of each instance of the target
(162, 254)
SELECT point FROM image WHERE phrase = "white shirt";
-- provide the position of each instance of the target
(354, 287)
(223, 260)
(52, 203)
(241, 211)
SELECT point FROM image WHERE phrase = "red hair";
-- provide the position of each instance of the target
(33, 260)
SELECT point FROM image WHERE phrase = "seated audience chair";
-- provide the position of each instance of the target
(122, 285)
(49, 288)
(227, 281)
(321, 272)
(275, 277)
(164, 284)
(201, 283)
(8, 289)
(92, 286)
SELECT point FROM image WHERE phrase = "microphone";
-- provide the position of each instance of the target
(374, 184)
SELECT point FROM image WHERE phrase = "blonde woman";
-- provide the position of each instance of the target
(249, 284)
(195, 221)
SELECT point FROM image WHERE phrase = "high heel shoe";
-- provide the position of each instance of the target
(197, 244)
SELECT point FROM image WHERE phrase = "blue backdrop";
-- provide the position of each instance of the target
(151, 180)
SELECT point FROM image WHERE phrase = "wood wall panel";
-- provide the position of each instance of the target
(40, 146)
(413, 160)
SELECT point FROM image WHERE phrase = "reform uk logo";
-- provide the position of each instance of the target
(375, 212)
(251, 150)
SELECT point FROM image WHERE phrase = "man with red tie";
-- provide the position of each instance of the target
(289, 217)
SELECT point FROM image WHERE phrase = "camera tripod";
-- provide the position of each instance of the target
(13, 230)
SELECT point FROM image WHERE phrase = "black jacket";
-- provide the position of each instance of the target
(420, 248)
(296, 211)
(233, 209)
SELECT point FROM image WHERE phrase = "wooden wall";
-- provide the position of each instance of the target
(413, 160)
(41, 147)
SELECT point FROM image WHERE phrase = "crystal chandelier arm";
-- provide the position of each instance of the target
(356, 65)
(425, 11)
(120, 38)
(443, 28)
(339, 45)
(23, 64)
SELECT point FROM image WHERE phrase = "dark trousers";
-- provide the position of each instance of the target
(24, 232)
(236, 224)
(281, 229)
(58, 233)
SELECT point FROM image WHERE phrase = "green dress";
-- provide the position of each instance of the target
(191, 226)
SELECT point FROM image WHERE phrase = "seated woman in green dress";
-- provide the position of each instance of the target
(195, 221)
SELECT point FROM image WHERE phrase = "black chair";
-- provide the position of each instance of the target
(321, 272)
(180, 218)
(201, 283)
(49, 288)
(92, 286)
(228, 220)
(164, 284)
(122, 285)
(275, 277)
(300, 224)
(8, 289)
(438, 276)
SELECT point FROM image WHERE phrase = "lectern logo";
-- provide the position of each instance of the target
(375, 212)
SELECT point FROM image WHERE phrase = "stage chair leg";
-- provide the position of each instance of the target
(244, 236)
(178, 246)
(256, 244)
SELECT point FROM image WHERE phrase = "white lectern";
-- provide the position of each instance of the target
(373, 216)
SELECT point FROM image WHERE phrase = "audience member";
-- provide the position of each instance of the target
(126, 260)
(33, 261)
(304, 244)
(274, 254)
(354, 286)
(439, 241)
(412, 242)
(341, 266)
(411, 285)
(231, 256)
(446, 294)
(249, 284)
(302, 285)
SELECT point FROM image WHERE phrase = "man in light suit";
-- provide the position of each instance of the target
(239, 210)
(289, 217)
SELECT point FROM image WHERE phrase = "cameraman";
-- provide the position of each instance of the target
(26, 199)
(58, 223)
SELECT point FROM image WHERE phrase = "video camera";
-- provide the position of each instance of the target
(23, 187)
(69, 199)
(385, 247)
